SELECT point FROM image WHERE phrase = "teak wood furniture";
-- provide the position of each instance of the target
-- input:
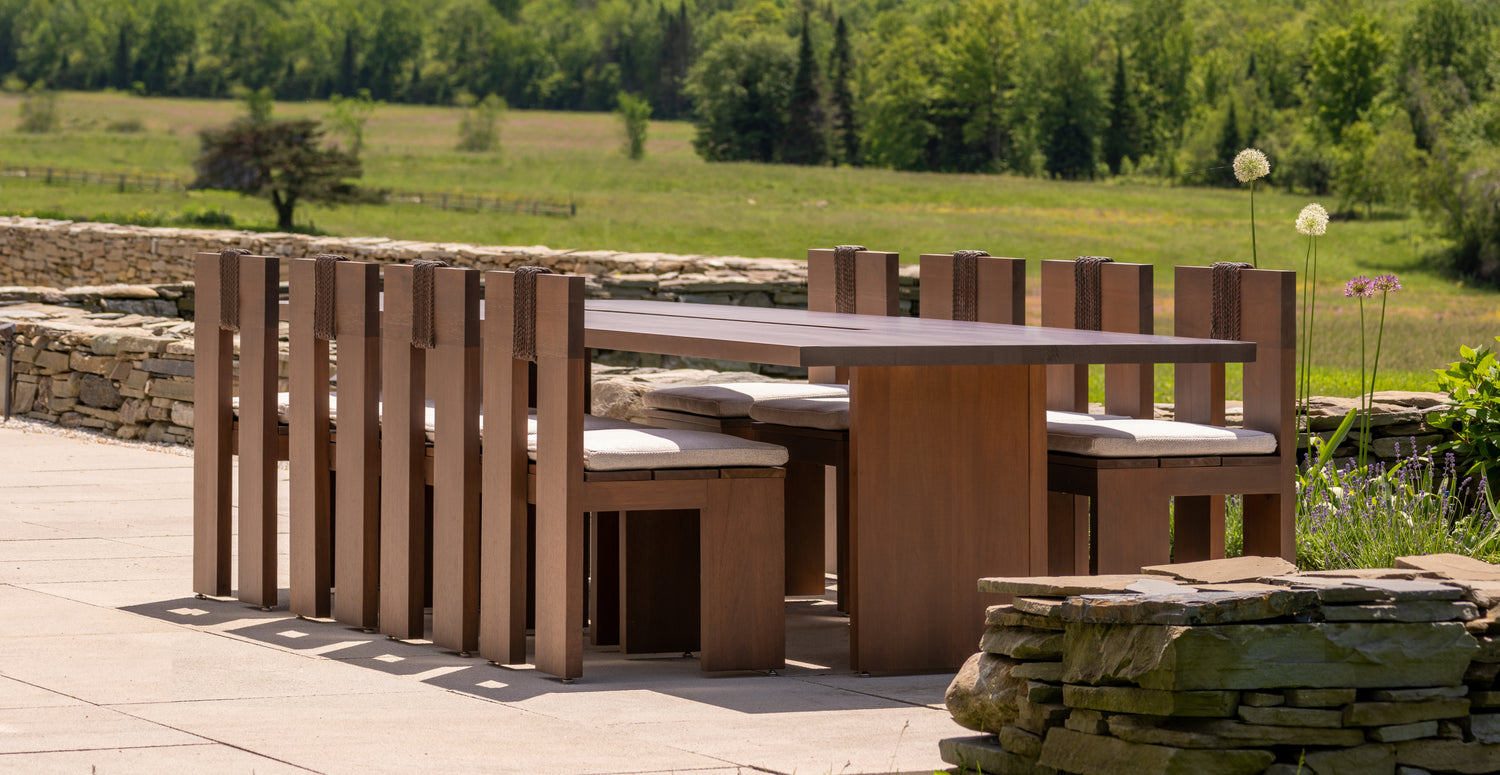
(947, 446)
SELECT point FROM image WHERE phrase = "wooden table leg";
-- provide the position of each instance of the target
(949, 466)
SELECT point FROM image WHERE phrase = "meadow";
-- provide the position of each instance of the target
(673, 202)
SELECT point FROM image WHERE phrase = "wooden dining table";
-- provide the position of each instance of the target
(948, 447)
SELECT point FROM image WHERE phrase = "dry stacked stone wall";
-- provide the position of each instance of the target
(1238, 666)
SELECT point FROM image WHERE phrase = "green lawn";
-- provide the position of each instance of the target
(673, 202)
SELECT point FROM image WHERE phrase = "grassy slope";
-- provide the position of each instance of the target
(674, 202)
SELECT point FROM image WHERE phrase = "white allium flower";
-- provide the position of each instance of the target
(1251, 164)
(1313, 220)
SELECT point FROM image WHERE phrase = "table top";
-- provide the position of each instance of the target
(791, 337)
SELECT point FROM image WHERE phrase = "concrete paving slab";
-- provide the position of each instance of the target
(422, 732)
(18, 530)
(170, 585)
(19, 694)
(143, 517)
(72, 549)
(31, 572)
(30, 614)
(154, 760)
(80, 727)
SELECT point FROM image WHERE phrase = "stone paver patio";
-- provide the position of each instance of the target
(109, 664)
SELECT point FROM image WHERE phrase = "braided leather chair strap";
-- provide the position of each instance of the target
(1088, 292)
(1225, 310)
(423, 333)
(524, 346)
(325, 286)
(843, 277)
(229, 288)
(966, 284)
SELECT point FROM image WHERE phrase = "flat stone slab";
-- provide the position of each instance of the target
(1086, 754)
(1057, 586)
(1449, 756)
(1009, 616)
(1151, 702)
(983, 754)
(1050, 607)
(1453, 566)
(1381, 714)
(1413, 611)
(1225, 571)
(1224, 733)
(1283, 716)
(1332, 591)
(1372, 573)
(1403, 590)
(1320, 698)
(1399, 733)
(1188, 607)
(1268, 656)
(1023, 643)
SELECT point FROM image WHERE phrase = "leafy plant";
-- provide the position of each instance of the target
(39, 112)
(1473, 414)
(635, 114)
(478, 130)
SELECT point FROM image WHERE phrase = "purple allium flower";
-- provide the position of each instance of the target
(1386, 283)
(1360, 287)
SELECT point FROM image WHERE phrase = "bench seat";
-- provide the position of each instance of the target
(1130, 438)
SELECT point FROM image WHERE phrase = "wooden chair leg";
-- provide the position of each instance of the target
(805, 517)
(1132, 529)
(1198, 528)
(744, 616)
(1067, 534)
(604, 579)
(559, 592)
(658, 591)
(1270, 525)
(843, 540)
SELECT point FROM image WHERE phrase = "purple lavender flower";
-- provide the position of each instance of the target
(1359, 288)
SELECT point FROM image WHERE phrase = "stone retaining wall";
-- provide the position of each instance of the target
(1238, 666)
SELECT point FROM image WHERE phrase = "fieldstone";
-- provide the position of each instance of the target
(1293, 717)
(1040, 671)
(1072, 751)
(1485, 594)
(983, 695)
(91, 364)
(1038, 717)
(1406, 444)
(1020, 742)
(1419, 694)
(1088, 721)
(1151, 702)
(1370, 573)
(1452, 729)
(1246, 568)
(51, 361)
(1319, 698)
(1056, 586)
(182, 413)
(1381, 714)
(1332, 591)
(1482, 673)
(1485, 727)
(1008, 616)
(1149, 586)
(1487, 624)
(170, 366)
(1400, 770)
(107, 343)
(25, 395)
(984, 756)
(1402, 590)
(1240, 733)
(1262, 699)
(168, 388)
(1374, 759)
(1267, 656)
(1454, 566)
(1023, 643)
(97, 391)
(1188, 607)
(1448, 756)
(1400, 733)
(1413, 611)
(1044, 692)
(1484, 699)
(1050, 607)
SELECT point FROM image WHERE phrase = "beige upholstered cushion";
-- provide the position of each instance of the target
(829, 414)
(1154, 438)
(734, 399)
(1057, 416)
(640, 448)
(284, 412)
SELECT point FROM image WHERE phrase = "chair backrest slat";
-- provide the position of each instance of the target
(1000, 288)
(877, 291)
(1126, 307)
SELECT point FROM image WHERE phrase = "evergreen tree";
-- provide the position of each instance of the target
(845, 126)
(1231, 142)
(348, 69)
(1122, 138)
(804, 141)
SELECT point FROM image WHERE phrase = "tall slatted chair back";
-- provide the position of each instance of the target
(236, 294)
(430, 346)
(973, 285)
(851, 280)
(1237, 302)
(334, 299)
(1101, 295)
(535, 315)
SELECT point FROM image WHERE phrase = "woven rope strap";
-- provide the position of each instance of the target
(325, 285)
(229, 288)
(843, 277)
(1088, 292)
(423, 332)
(1225, 312)
(524, 346)
(966, 284)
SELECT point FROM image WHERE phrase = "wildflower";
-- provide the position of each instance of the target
(1313, 220)
(1387, 283)
(1251, 164)
(1359, 288)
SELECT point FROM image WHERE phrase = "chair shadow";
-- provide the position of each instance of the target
(816, 677)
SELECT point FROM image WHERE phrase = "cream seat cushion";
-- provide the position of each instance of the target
(429, 420)
(641, 448)
(1054, 415)
(829, 413)
(1154, 438)
(734, 399)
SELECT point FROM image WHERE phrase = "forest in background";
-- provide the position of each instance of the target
(1379, 104)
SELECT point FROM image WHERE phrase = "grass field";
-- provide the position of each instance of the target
(674, 202)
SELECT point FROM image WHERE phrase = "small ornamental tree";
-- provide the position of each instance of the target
(283, 161)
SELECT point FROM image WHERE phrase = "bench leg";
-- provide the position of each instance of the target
(1067, 534)
(743, 610)
(1198, 528)
(805, 517)
(1132, 529)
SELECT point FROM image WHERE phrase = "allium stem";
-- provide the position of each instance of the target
(1364, 420)
(1379, 336)
(1254, 257)
(1304, 385)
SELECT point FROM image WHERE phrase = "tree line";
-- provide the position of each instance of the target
(1377, 103)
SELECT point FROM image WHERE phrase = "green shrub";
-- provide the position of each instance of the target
(635, 113)
(478, 130)
(125, 126)
(39, 112)
(1473, 414)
